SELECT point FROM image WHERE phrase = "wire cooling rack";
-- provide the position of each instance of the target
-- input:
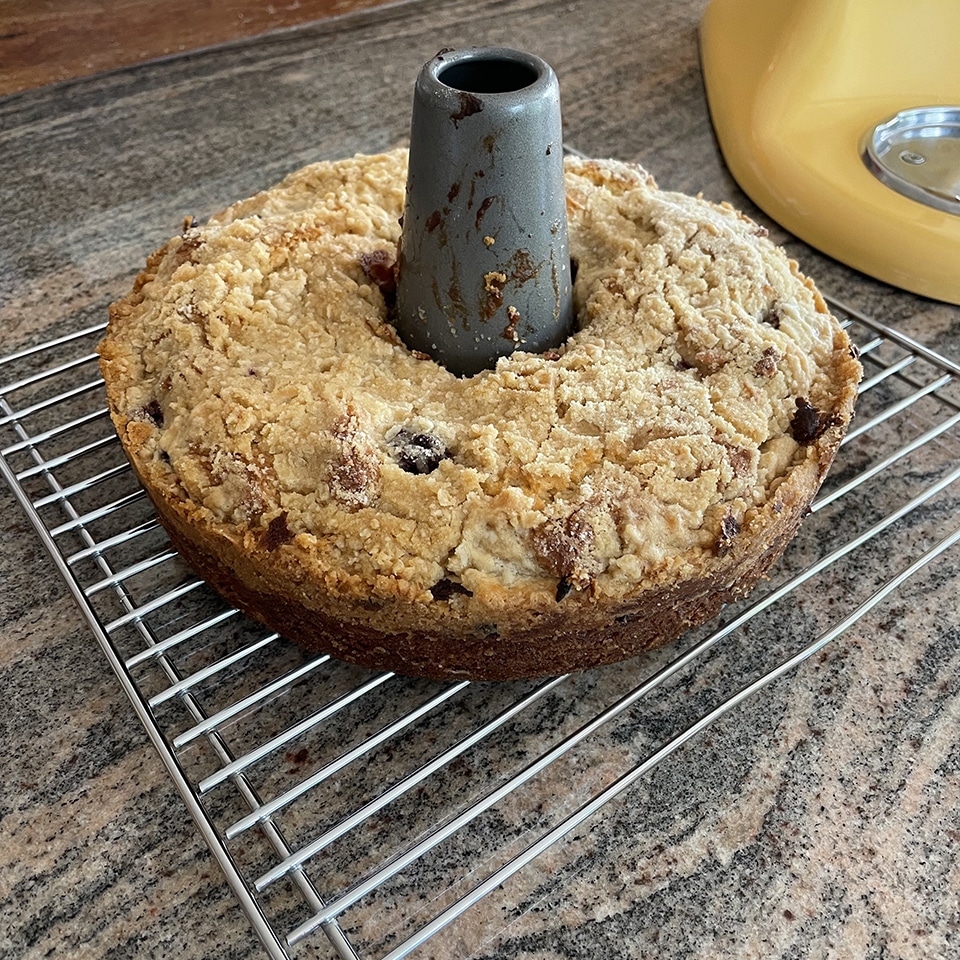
(379, 809)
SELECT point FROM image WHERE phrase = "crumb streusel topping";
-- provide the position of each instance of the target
(259, 378)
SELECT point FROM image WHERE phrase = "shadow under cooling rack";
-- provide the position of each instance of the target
(378, 809)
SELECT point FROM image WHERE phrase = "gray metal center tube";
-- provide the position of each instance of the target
(484, 265)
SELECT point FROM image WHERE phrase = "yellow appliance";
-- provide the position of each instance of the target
(841, 120)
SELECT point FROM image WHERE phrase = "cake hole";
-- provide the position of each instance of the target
(488, 75)
(445, 589)
(151, 411)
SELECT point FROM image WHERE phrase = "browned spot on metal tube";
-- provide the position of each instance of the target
(523, 267)
(482, 209)
(457, 302)
(510, 330)
(469, 105)
(493, 284)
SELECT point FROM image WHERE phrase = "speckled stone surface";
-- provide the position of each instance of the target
(821, 819)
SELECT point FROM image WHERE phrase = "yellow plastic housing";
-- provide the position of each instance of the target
(793, 88)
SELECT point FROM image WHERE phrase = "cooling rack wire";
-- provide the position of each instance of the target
(328, 793)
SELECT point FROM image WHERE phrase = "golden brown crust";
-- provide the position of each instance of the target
(561, 511)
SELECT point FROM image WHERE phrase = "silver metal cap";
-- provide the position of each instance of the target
(917, 153)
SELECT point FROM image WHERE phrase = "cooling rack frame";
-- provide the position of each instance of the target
(61, 504)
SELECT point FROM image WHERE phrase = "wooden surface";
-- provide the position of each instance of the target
(57, 40)
(820, 820)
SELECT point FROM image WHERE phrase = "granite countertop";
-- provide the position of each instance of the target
(820, 819)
